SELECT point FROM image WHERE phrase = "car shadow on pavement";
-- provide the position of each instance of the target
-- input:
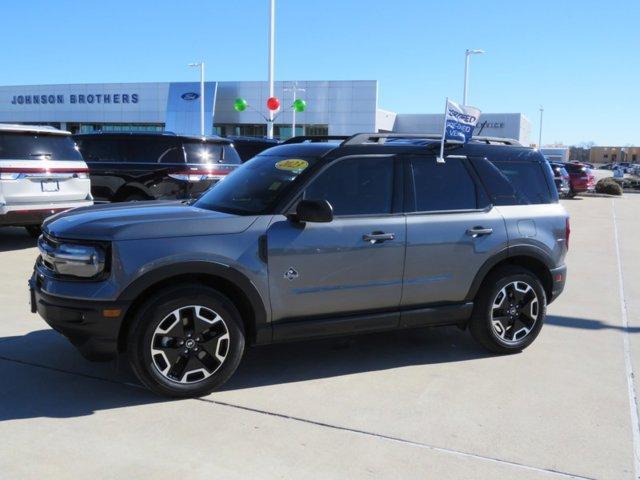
(44, 376)
(586, 324)
(316, 359)
(15, 238)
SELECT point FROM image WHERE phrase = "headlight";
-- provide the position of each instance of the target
(72, 259)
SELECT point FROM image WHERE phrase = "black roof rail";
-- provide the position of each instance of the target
(362, 138)
(498, 140)
(314, 138)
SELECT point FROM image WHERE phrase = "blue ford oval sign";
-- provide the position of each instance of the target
(190, 96)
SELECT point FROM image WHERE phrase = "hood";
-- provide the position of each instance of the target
(140, 220)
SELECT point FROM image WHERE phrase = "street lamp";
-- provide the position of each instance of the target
(540, 131)
(467, 54)
(272, 26)
(201, 65)
(295, 89)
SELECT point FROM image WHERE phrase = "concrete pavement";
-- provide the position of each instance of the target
(417, 404)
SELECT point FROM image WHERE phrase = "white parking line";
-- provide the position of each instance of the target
(633, 397)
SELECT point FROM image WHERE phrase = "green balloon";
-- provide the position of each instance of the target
(240, 105)
(299, 105)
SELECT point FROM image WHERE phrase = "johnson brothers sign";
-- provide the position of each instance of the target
(75, 98)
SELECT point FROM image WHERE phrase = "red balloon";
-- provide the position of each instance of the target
(273, 103)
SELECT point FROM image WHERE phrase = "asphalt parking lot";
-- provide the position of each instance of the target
(414, 404)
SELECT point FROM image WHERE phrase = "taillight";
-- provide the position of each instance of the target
(15, 173)
(567, 232)
(196, 175)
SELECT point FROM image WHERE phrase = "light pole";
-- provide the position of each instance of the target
(467, 54)
(201, 65)
(540, 131)
(272, 26)
(295, 89)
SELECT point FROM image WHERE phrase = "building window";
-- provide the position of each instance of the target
(614, 157)
(605, 156)
(282, 131)
(634, 157)
(121, 127)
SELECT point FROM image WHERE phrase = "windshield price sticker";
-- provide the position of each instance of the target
(292, 165)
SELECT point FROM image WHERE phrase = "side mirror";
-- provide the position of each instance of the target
(319, 211)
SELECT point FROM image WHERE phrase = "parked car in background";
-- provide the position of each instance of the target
(581, 178)
(152, 166)
(249, 147)
(586, 164)
(607, 166)
(561, 178)
(41, 173)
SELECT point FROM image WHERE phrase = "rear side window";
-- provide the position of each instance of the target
(151, 150)
(31, 146)
(203, 152)
(356, 186)
(442, 186)
(528, 180)
(131, 150)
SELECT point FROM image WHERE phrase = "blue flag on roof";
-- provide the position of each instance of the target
(459, 123)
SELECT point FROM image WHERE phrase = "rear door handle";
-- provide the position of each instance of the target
(378, 237)
(479, 231)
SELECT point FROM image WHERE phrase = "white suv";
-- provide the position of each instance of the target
(41, 173)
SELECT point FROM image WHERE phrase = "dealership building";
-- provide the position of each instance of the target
(333, 108)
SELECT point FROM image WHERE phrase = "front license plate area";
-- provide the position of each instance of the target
(50, 186)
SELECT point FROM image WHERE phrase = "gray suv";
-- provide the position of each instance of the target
(310, 239)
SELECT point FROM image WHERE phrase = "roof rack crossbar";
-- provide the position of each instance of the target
(314, 138)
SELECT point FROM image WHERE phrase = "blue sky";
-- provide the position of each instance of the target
(579, 59)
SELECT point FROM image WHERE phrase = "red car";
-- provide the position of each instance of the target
(581, 178)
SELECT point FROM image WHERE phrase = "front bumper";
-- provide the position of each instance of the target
(559, 278)
(90, 326)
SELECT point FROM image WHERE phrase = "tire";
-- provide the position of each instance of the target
(135, 197)
(175, 360)
(500, 328)
(33, 230)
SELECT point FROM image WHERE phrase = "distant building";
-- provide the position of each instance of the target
(333, 107)
(555, 154)
(614, 154)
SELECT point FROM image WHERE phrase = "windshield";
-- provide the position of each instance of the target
(254, 187)
(32, 146)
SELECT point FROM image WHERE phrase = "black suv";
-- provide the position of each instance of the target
(152, 166)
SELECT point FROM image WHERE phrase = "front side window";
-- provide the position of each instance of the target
(442, 186)
(356, 186)
(32, 146)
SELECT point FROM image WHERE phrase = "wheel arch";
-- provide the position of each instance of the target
(228, 281)
(527, 256)
(130, 189)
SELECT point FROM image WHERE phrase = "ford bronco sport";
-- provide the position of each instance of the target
(310, 239)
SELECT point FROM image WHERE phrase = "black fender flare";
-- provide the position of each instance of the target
(532, 251)
(261, 324)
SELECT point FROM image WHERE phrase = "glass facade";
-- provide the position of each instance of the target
(282, 131)
(120, 127)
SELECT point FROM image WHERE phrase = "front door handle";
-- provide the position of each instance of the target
(378, 237)
(479, 231)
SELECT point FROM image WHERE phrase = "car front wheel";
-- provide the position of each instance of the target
(509, 310)
(186, 341)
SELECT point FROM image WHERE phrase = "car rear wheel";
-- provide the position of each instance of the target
(186, 341)
(509, 311)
